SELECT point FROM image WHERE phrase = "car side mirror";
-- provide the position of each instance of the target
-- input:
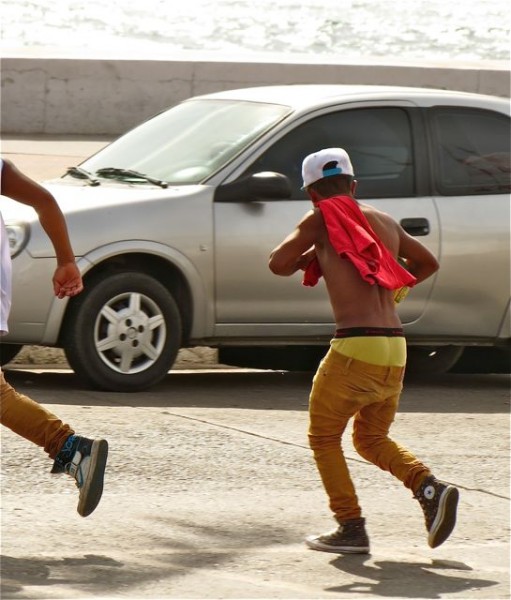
(265, 186)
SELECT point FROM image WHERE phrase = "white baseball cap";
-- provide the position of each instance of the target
(325, 163)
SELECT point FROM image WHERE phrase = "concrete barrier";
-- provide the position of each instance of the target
(106, 96)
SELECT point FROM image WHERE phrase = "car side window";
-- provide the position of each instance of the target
(378, 140)
(471, 151)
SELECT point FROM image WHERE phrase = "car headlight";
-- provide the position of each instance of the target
(18, 235)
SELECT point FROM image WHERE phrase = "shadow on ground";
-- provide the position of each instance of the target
(263, 390)
(398, 579)
(191, 548)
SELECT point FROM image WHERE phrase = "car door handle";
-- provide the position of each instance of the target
(416, 227)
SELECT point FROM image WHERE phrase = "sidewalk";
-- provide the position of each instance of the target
(45, 157)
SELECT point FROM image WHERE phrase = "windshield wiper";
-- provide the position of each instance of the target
(80, 173)
(116, 173)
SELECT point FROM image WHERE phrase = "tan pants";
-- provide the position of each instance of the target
(345, 387)
(31, 420)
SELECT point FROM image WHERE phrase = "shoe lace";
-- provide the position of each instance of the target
(349, 531)
(427, 508)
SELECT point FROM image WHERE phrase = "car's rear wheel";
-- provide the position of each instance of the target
(484, 359)
(432, 360)
(123, 332)
(8, 352)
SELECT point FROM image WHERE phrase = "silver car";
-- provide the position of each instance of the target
(173, 223)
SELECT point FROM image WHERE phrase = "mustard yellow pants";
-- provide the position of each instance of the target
(346, 387)
(30, 420)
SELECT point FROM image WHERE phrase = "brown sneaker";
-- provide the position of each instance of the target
(439, 502)
(349, 538)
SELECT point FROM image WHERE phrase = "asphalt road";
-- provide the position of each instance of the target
(211, 488)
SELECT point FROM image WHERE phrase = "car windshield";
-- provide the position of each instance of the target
(189, 142)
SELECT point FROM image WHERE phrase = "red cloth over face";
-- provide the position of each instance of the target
(353, 238)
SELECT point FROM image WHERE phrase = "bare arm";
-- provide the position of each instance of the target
(296, 251)
(67, 280)
(420, 261)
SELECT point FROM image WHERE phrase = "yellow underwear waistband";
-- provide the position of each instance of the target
(376, 350)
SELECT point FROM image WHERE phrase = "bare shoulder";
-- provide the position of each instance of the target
(385, 227)
(374, 213)
(378, 217)
(312, 221)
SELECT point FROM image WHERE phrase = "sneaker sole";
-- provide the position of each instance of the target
(315, 545)
(92, 489)
(446, 517)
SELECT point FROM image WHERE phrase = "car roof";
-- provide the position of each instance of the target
(299, 95)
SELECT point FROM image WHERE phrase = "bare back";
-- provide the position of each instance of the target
(356, 303)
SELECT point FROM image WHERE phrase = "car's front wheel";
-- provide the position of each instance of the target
(123, 332)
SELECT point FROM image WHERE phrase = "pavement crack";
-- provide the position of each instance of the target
(304, 447)
(238, 430)
(486, 492)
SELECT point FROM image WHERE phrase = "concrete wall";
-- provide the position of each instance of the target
(107, 96)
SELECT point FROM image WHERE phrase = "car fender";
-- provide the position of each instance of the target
(201, 284)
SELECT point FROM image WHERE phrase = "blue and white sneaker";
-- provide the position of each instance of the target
(439, 502)
(84, 460)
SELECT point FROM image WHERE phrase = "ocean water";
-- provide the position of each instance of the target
(461, 30)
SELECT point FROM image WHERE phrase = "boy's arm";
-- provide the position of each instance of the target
(420, 261)
(296, 251)
(67, 280)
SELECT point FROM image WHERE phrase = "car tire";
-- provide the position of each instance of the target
(123, 332)
(8, 352)
(484, 359)
(432, 360)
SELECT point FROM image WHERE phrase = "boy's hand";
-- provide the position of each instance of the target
(67, 280)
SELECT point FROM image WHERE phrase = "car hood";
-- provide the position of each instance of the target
(99, 217)
(76, 197)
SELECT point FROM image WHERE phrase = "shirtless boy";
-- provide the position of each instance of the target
(355, 248)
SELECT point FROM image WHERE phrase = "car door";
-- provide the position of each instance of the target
(380, 139)
(470, 150)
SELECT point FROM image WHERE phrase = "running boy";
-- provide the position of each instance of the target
(355, 248)
(82, 458)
